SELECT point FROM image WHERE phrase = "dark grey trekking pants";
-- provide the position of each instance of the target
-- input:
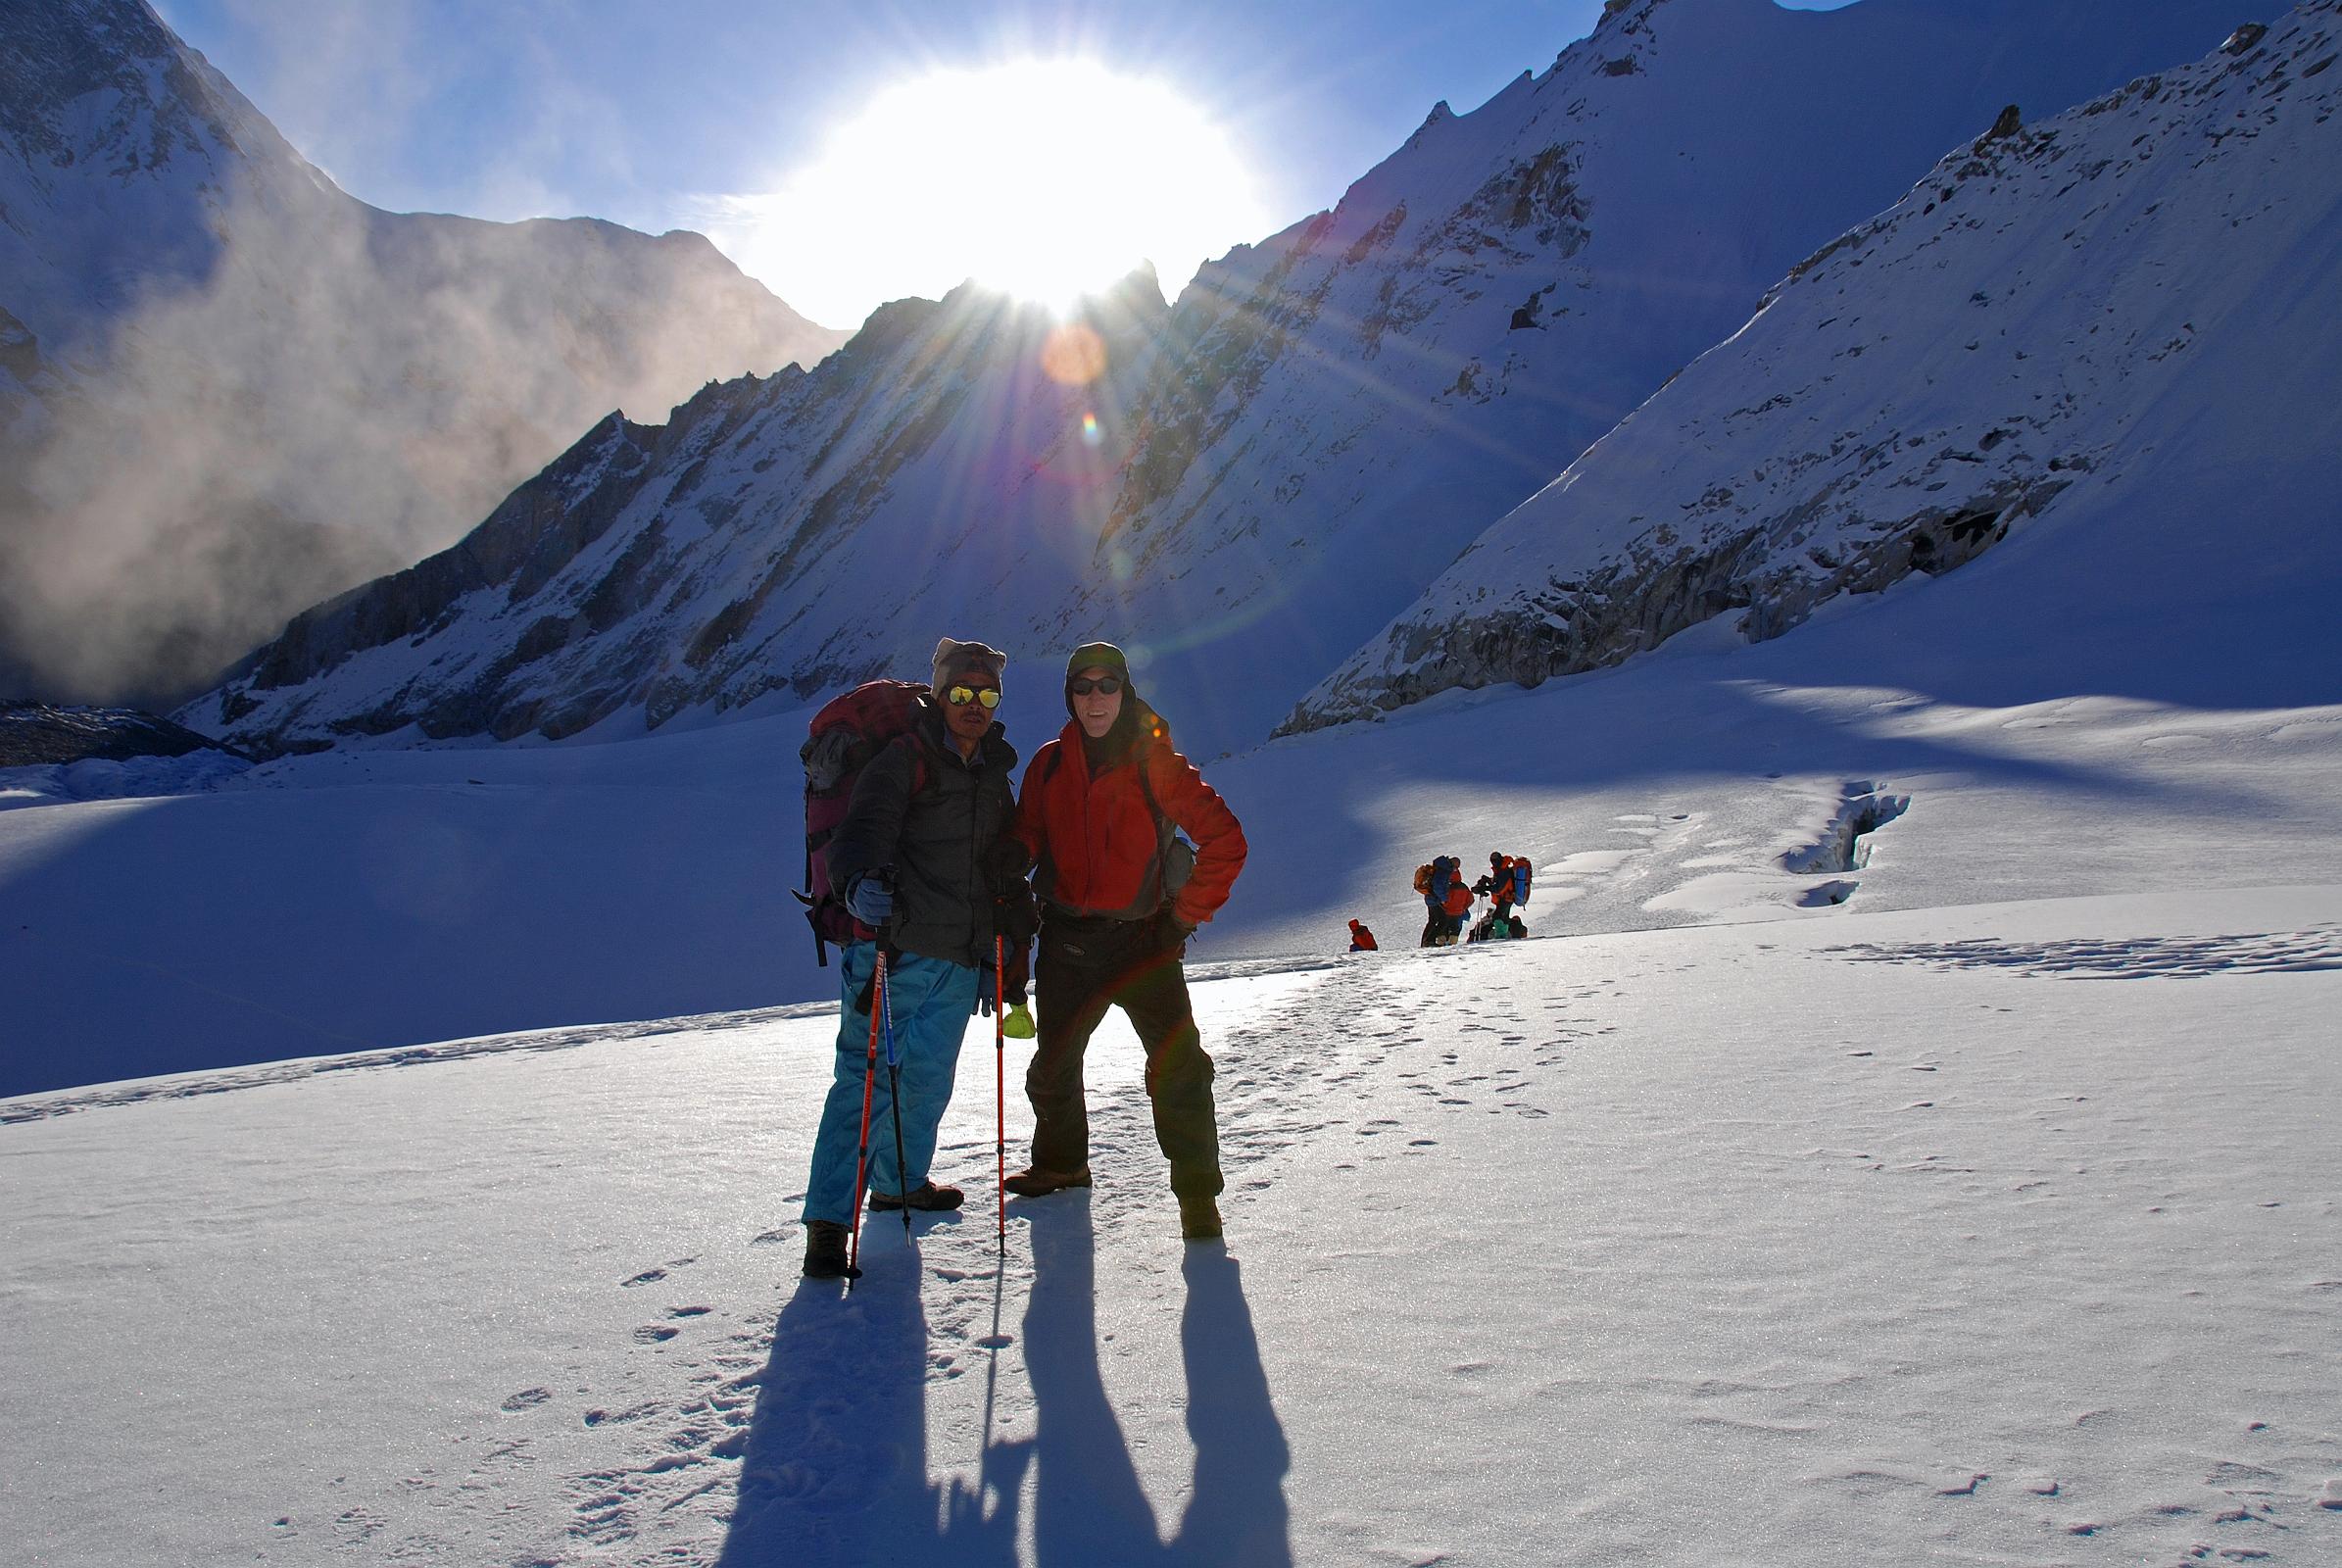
(1085, 965)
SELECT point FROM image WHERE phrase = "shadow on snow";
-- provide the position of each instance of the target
(837, 1465)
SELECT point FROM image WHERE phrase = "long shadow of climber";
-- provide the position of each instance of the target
(1089, 1508)
(1236, 1511)
(835, 1469)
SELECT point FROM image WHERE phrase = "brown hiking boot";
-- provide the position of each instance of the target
(1034, 1182)
(1198, 1219)
(825, 1251)
(926, 1197)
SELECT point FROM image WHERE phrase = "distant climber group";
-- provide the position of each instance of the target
(1448, 898)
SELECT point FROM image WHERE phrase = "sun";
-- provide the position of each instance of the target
(1043, 178)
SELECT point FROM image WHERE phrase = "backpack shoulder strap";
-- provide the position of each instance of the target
(1147, 786)
(910, 741)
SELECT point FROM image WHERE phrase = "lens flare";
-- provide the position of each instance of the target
(1073, 355)
(1045, 178)
(1091, 431)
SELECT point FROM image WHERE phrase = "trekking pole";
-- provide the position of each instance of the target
(1000, 1080)
(861, 1158)
(886, 1008)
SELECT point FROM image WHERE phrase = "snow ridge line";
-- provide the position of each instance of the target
(2318, 947)
(40, 1107)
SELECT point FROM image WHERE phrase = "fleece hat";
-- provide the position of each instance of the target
(956, 662)
(1103, 655)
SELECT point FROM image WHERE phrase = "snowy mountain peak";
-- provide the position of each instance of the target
(2042, 311)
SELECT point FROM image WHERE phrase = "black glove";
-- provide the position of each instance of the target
(1007, 861)
(1016, 915)
(1171, 933)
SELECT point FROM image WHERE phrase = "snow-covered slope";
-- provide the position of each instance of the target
(2003, 1234)
(313, 391)
(2063, 328)
(1331, 416)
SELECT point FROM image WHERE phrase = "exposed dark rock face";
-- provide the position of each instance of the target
(1665, 585)
(36, 734)
(2008, 125)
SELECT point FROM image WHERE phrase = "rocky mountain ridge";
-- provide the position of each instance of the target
(766, 508)
(42, 734)
(2042, 312)
(1252, 484)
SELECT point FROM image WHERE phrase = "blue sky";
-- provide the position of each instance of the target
(652, 115)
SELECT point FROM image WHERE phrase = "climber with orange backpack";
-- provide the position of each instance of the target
(1506, 885)
(1448, 898)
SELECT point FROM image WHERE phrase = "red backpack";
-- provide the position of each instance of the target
(844, 737)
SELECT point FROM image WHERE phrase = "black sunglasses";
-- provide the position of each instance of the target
(1109, 684)
(961, 696)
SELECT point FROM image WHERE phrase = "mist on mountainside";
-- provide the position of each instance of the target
(229, 391)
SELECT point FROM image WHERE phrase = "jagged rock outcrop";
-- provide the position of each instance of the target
(1929, 383)
(41, 734)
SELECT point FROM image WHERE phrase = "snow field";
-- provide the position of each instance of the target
(1881, 1238)
(389, 898)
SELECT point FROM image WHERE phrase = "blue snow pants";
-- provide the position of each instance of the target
(930, 1001)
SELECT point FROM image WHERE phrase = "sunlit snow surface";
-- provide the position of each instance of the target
(1993, 1234)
